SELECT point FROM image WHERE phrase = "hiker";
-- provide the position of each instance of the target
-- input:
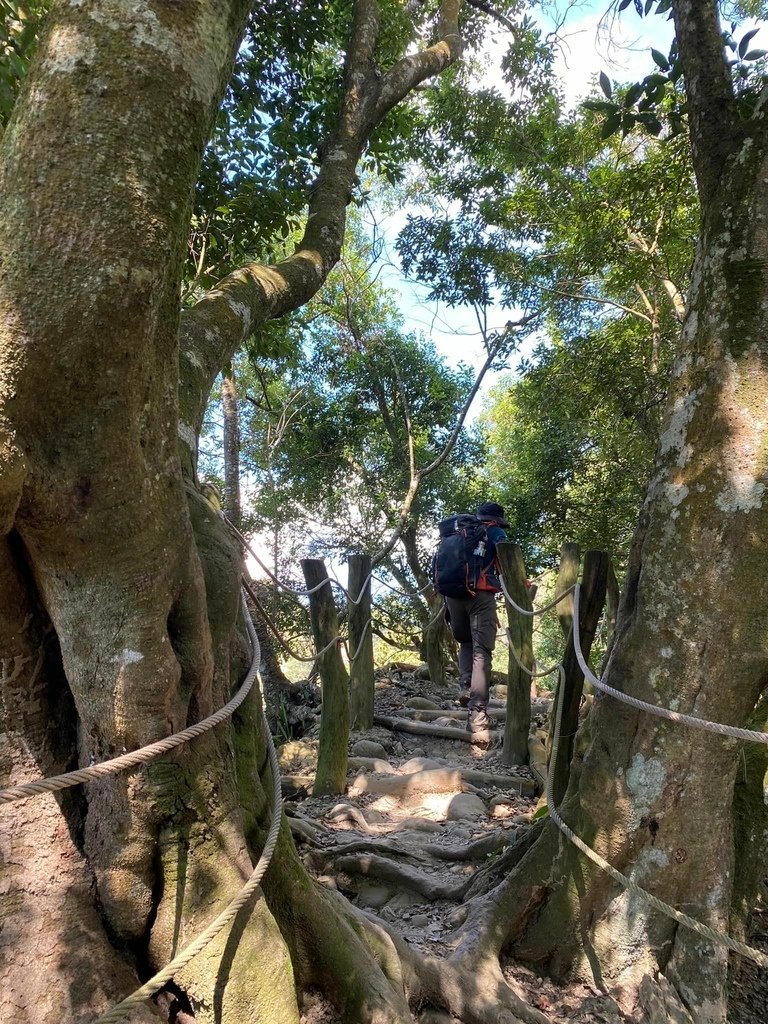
(465, 571)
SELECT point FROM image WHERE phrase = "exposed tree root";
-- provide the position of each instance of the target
(661, 1003)
(473, 992)
(433, 780)
(478, 850)
(440, 780)
(348, 812)
(422, 728)
(383, 869)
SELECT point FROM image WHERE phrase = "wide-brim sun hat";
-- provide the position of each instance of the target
(490, 511)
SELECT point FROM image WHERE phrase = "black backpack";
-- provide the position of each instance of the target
(461, 555)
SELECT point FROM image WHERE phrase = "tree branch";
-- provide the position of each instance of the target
(213, 329)
(602, 302)
(486, 8)
(420, 474)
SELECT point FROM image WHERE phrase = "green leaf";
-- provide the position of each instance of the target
(660, 59)
(745, 39)
(602, 105)
(611, 125)
(542, 812)
(624, 4)
(755, 54)
(633, 95)
(605, 85)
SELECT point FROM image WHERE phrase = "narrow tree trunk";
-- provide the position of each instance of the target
(360, 642)
(518, 721)
(434, 643)
(334, 721)
(232, 503)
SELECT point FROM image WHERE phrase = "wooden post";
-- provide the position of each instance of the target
(360, 641)
(334, 720)
(518, 723)
(592, 599)
(570, 556)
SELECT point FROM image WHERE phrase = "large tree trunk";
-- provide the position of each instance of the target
(95, 203)
(119, 592)
(655, 798)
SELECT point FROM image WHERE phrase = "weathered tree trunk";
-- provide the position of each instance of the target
(119, 594)
(612, 598)
(232, 502)
(437, 641)
(360, 643)
(94, 205)
(332, 755)
(435, 650)
(655, 798)
(518, 720)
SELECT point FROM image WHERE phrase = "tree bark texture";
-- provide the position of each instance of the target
(518, 722)
(331, 776)
(232, 503)
(360, 643)
(118, 588)
(95, 195)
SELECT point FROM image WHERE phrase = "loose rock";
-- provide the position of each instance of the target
(465, 806)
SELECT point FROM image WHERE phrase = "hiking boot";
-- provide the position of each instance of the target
(479, 725)
(463, 697)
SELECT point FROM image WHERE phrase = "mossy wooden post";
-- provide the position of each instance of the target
(360, 642)
(334, 720)
(515, 750)
(591, 601)
(570, 557)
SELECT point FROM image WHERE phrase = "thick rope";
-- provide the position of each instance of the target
(353, 657)
(536, 611)
(136, 757)
(399, 590)
(292, 590)
(749, 735)
(118, 1012)
(529, 672)
(663, 908)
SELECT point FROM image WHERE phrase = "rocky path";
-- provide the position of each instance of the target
(426, 823)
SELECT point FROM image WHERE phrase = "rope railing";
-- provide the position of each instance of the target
(539, 674)
(664, 908)
(332, 580)
(693, 721)
(536, 611)
(135, 758)
(678, 916)
(146, 991)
